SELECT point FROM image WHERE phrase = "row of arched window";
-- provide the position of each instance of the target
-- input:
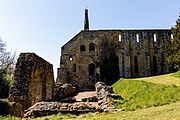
(91, 48)
(137, 37)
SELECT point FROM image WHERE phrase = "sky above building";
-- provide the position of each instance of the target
(43, 26)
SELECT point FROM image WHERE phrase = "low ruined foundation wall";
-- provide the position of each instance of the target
(33, 82)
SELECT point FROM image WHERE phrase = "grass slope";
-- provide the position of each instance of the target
(145, 93)
(167, 79)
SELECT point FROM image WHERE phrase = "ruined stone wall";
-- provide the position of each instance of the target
(151, 44)
(140, 53)
(74, 65)
(33, 81)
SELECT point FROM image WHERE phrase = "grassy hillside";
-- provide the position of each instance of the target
(147, 92)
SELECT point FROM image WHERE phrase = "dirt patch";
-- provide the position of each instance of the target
(86, 94)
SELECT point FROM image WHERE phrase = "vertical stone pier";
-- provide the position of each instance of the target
(33, 82)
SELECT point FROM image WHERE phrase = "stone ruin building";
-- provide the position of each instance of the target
(129, 53)
(89, 57)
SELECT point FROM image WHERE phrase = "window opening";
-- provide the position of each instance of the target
(137, 37)
(74, 67)
(136, 64)
(120, 38)
(91, 69)
(71, 58)
(172, 37)
(91, 47)
(155, 64)
(82, 48)
(155, 37)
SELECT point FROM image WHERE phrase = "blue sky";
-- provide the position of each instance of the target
(43, 26)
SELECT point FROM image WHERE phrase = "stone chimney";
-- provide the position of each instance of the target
(86, 21)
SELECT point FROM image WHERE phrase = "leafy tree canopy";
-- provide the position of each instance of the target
(6, 59)
(174, 46)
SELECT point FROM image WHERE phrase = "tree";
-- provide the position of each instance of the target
(6, 59)
(174, 46)
(6, 67)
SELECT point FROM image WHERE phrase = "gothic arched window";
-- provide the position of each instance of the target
(136, 64)
(154, 65)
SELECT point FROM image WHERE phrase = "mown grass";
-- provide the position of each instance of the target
(167, 79)
(141, 94)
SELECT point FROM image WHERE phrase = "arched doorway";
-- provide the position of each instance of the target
(136, 70)
(109, 70)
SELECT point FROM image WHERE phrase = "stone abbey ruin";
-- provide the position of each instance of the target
(89, 57)
(129, 53)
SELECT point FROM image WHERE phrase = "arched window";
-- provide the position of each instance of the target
(120, 38)
(136, 64)
(82, 48)
(172, 36)
(74, 67)
(91, 47)
(155, 37)
(91, 69)
(154, 65)
(70, 58)
(137, 37)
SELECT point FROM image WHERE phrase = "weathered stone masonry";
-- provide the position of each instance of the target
(33, 82)
(138, 53)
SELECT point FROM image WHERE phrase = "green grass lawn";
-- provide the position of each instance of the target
(146, 92)
(141, 94)
(167, 79)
